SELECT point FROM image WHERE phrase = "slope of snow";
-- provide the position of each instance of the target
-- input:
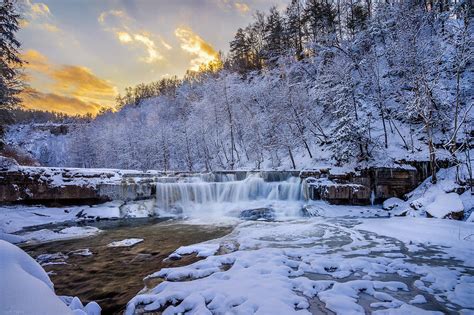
(26, 288)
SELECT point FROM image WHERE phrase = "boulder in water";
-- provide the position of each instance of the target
(312, 211)
(266, 214)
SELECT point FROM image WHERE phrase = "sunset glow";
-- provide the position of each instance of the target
(102, 47)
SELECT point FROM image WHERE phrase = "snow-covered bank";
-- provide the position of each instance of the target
(451, 197)
(13, 219)
(26, 288)
(286, 267)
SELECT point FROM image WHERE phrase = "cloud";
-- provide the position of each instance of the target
(142, 39)
(242, 7)
(81, 83)
(124, 37)
(34, 99)
(231, 5)
(77, 89)
(193, 44)
(38, 9)
(36, 61)
(117, 14)
(125, 33)
(50, 27)
(39, 16)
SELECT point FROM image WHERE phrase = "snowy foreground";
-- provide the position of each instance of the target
(388, 266)
(345, 261)
(26, 288)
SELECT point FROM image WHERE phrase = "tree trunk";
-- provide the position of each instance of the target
(291, 157)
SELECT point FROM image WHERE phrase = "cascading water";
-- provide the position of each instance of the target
(212, 195)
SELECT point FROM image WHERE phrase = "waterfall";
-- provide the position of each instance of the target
(210, 191)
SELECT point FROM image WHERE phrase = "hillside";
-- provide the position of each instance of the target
(398, 86)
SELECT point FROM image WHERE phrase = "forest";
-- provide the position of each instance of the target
(324, 82)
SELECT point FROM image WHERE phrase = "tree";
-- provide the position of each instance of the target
(10, 61)
(274, 35)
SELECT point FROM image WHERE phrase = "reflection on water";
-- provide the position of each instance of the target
(112, 276)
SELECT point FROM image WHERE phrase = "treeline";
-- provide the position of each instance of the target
(23, 116)
(324, 82)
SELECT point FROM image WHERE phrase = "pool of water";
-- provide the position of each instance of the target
(112, 276)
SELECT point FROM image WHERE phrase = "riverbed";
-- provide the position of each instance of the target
(111, 276)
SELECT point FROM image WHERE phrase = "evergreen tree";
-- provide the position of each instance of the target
(295, 26)
(10, 61)
(274, 35)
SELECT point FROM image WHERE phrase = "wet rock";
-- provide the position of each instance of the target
(312, 211)
(336, 193)
(266, 214)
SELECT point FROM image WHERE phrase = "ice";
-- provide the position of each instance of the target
(129, 242)
(201, 250)
(45, 235)
(279, 267)
(451, 233)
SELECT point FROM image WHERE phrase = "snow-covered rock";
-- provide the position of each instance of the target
(392, 203)
(440, 200)
(26, 288)
(8, 164)
(446, 205)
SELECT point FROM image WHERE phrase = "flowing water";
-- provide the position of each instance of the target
(225, 195)
(112, 276)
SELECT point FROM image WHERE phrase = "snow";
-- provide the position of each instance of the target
(280, 267)
(445, 204)
(440, 200)
(14, 219)
(201, 250)
(45, 235)
(27, 289)
(419, 299)
(129, 242)
(454, 234)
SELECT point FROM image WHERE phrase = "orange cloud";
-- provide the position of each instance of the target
(192, 43)
(36, 61)
(34, 99)
(82, 83)
(75, 89)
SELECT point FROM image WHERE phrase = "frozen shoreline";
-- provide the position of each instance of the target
(273, 266)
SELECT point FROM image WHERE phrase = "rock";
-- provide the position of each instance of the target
(336, 193)
(445, 206)
(8, 164)
(312, 211)
(266, 214)
(392, 203)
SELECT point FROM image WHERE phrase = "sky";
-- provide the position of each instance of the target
(82, 53)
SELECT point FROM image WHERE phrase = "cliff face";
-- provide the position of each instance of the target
(370, 185)
(59, 186)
